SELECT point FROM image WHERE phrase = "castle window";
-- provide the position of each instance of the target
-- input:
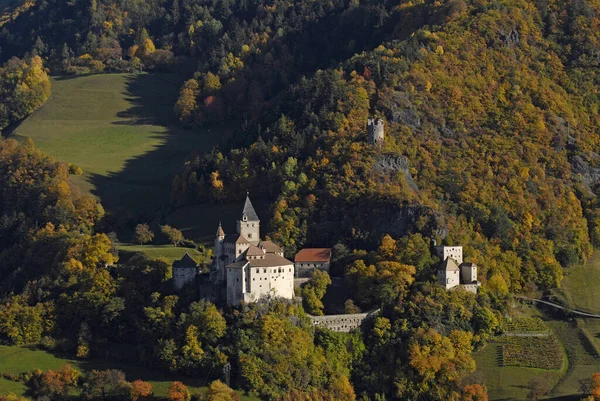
(264, 270)
(249, 235)
(237, 279)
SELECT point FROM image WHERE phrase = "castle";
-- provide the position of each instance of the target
(246, 266)
(375, 131)
(453, 272)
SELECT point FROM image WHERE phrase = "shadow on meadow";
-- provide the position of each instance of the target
(143, 186)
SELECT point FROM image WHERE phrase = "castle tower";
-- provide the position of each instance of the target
(249, 225)
(218, 273)
(375, 131)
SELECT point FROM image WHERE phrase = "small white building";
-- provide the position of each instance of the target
(309, 259)
(185, 271)
(449, 274)
(453, 272)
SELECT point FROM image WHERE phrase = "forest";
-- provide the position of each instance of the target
(491, 107)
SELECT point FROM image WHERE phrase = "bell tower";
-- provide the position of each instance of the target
(248, 226)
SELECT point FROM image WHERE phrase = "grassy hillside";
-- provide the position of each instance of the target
(579, 337)
(16, 360)
(121, 131)
(581, 285)
(506, 382)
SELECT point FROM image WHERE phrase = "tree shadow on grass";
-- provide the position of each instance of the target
(143, 185)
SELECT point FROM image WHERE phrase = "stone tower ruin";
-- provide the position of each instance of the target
(375, 131)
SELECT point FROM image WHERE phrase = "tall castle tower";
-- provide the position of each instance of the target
(375, 131)
(249, 225)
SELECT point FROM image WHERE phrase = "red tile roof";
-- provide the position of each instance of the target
(314, 255)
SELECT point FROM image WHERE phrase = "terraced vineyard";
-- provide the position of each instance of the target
(525, 325)
(542, 352)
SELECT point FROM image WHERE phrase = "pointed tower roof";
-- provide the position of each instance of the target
(449, 265)
(220, 232)
(249, 211)
(185, 261)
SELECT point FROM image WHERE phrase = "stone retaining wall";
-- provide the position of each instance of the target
(344, 323)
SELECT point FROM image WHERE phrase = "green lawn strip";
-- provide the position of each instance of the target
(15, 360)
(168, 252)
(581, 285)
(9, 386)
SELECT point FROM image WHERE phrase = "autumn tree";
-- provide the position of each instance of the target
(382, 282)
(106, 384)
(140, 390)
(211, 83)
(350, 307)
(435, 358)
(186, 103)
(474, 392)
(173, 235)
(143, 234)
(595, 390)
(178, 392)
(314, 290)
(24, 87)
(219, 391)
(54, 384)
(191, 351)
(21, 323)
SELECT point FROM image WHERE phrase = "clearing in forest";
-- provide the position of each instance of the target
(121, 130)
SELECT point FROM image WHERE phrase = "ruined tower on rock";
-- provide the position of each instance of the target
(375, 131)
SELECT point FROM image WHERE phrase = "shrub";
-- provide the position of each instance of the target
(140, 389)
(179, 392)
(75, 170)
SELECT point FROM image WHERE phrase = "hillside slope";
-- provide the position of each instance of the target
(494, 106)
(120, 130)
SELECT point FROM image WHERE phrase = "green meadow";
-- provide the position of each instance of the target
(167, 252)
(15, 360)
(121, 130)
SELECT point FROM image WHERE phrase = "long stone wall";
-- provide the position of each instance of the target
(344, 323)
